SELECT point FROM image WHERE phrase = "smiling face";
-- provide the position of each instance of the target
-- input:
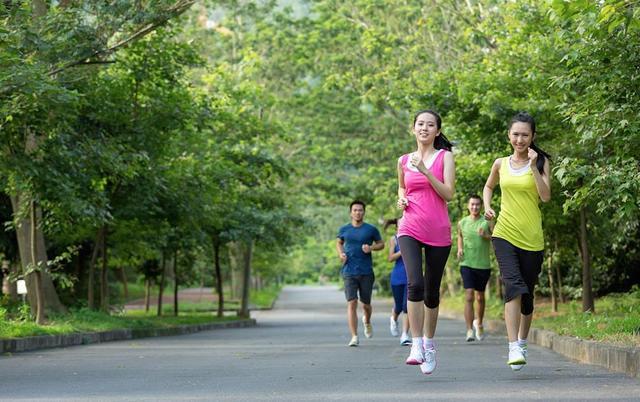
(426, 128)
(520, 137)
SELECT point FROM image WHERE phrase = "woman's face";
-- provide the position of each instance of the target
(520, 136)
(426, 128)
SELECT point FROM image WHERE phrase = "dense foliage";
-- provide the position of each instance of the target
(202, 131)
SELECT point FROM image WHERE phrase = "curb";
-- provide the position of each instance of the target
(16, 345)
(615, 358)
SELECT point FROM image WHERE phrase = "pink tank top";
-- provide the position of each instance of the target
(426, 218)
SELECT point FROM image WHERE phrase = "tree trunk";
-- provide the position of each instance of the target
(161, 285)
(554, 301)
(92, 270)
(125, 285)
(559, 278)
(9, 287)
(175, 283)
(36, 266)
(587, 291)
(104, 275)
(216, 257)
(20, 202)
(246, 278)
(147, 294)
(451, 284)
(236, 272)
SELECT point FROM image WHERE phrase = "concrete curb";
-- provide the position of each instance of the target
(615, 358)
(16, 345)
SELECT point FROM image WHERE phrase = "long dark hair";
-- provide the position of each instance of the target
(441, 142)
(524, 117)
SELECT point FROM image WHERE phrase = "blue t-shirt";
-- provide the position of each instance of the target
(398, 274)
(358, 262)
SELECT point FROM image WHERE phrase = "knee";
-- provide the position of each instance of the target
(415, 293)
(526, 306)
(480, 297)
(468, 296)
(432, 300)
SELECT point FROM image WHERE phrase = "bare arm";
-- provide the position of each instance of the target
(460, 243)
(402, 198)
(340, 249)
(377, 245)
(487, 192)
(447, 188)
(543, 183)
(393, 255)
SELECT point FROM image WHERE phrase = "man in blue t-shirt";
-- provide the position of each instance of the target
(356, 241)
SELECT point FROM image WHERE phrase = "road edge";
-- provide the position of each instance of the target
(17, 345)
(615, 358)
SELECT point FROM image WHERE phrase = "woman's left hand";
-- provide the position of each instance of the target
(533, 156)
(416, 161)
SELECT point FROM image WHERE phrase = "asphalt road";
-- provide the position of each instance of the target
(298, 352)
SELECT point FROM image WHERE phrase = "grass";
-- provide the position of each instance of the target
(616, 321)
(84, 320)
(93, 321)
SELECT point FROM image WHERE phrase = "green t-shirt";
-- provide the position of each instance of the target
(476, 248)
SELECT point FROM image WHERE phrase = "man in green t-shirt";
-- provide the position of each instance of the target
(474, 241)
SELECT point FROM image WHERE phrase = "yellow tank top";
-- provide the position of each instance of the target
(520, 221)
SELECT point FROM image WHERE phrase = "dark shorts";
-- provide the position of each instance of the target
(359, 285)
(519, 270)
(474, 278)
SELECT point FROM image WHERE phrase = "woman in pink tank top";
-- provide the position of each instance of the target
(426, 181)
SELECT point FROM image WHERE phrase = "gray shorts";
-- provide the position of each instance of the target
(361, 284)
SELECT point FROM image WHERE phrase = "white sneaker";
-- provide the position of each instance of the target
(393, 327)
(518, 367)
(416, 356)
(479, 330)
(470, 337)
(430, 362)
(516, 357)
(405, 339)
(354, 341)
(368, 329)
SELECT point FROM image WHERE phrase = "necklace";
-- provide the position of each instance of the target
(519, 160)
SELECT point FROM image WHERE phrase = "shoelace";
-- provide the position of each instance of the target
(429, 355)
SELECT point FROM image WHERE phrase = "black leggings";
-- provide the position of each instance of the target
(423, 286)
(519, 270)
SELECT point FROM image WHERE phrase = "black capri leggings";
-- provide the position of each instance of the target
(423, 286)
(519, 270)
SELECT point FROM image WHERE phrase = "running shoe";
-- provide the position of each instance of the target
(416, 356)
(479, 330)
(429, 364)
(354, 341)
(368, 329)
(516, 357)
(470, 337)
(393, 326)
(518, 367)
(405, 339)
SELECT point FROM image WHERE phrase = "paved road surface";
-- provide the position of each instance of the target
(298, 352)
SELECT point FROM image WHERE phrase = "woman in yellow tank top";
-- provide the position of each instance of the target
(517, 238)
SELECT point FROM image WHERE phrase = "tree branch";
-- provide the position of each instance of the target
(174, 11)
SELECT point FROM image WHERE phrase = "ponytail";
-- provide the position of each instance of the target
(542, 156)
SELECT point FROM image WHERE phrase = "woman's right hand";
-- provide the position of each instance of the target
(402, 203)
(489, 214)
